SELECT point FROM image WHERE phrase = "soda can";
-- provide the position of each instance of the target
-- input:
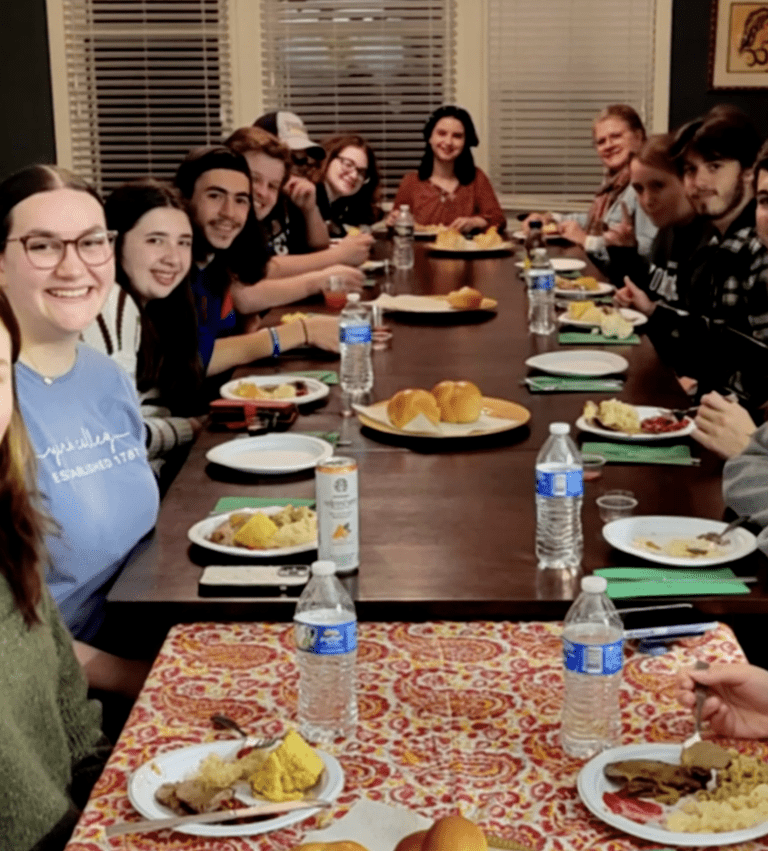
(338, 513)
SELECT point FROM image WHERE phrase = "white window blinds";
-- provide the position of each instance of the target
(366, 66)
(552, 67)
(146, 81)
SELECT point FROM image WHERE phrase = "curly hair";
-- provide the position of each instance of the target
(256, 139)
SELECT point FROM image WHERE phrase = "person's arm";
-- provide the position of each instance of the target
(303, 194)
(737, 700)
(275, 292)
(723, 426)
(108, 672)
(349, 251)
(319, 331)
(744, 482)
(487, 204)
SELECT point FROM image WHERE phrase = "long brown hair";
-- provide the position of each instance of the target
(363, 206)
(24, 526)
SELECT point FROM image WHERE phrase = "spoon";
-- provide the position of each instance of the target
(701, 693)
(717, 537)
(250, 741)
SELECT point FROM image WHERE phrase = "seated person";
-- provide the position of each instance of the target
(449, 189)
(348, 184)
(737, 703)
(618, 133)
(79, 407)
(745, 483)
(306, 155)
(710, 323)
(52, 749)
(289, 277)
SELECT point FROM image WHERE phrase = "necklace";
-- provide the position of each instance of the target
(27, 359)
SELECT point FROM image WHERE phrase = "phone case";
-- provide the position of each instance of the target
(252, 580)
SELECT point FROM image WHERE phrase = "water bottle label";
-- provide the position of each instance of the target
(600, 660)
(355, 334)
(542, 281)
(564, 483)
(326, 639)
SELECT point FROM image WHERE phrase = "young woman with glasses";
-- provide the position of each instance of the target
(448, 188)
(79, 407)
(348, 184)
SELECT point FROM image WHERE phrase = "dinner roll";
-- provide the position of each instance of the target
(407, 404)
(466, 298)
(459, 401)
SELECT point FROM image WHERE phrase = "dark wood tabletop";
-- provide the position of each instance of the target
(447, 527)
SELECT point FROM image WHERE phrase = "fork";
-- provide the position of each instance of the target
(717, 537)
(248, 741)
(701, 694)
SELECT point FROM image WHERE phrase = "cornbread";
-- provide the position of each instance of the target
(289, 527)
(289, 771)
(256, 533)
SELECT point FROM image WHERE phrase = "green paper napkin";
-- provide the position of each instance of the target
(327, 376)
(579, 338)
(331, 437)
(669, 581)
(572, 384)
(631, 453)
(233, 503)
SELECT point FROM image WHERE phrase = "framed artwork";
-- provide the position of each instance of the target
(738, 49)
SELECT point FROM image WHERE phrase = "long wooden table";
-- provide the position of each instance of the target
(447, 528)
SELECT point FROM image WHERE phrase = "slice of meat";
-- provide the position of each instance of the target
(635, 809)
(199, 798)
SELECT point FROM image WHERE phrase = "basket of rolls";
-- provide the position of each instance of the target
(450, 409)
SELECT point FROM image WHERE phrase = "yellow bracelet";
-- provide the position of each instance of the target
(306, 333)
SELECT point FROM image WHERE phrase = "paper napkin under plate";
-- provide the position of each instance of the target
(579, 338)
(234, 503)
(572, 384)
(327, 376)
(632, 453)
(624, 582)
(376, 826)
(424, 426)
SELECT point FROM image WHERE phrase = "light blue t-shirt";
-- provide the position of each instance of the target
(88, 436)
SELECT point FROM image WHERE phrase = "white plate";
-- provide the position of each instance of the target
(633, 316)
(271, 454)
(602, 289)
(643, 411)
(560, 264)
(175, 765)
(315, 389)
(578, 362)
(622, 534)
(427, 304)
(592, 783)
(471, 247)
(199, 533)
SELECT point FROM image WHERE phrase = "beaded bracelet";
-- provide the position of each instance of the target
(275, 343)
(306, 333)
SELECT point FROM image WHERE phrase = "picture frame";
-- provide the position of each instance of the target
(738, 47)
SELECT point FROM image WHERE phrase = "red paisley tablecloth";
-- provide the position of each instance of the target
(454, 717)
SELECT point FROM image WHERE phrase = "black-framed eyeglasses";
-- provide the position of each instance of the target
(46, 252)
(349, 165)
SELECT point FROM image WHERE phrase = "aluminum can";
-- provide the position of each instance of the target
(338, 513)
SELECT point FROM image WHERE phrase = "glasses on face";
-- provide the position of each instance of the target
(46, 252)
(348, 165)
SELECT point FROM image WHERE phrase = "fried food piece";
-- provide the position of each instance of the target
(490, 239)
(450, 239)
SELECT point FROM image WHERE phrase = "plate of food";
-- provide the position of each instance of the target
(579, 362)
(275, 530)
(458, 301)
(654, 816)
(451, 409)
(587, 314)
(580, 286)
(676, 541)
(219, 775)
(293, 388)
(454, 242)
(622, 421)
(559, 264)
(271, 454)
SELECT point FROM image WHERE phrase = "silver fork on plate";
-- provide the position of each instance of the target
(248, 741)
(701, 693)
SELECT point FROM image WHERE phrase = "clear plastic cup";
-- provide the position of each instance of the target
(593, 466)
(614, 505)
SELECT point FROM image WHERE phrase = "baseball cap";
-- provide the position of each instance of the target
(290, 130)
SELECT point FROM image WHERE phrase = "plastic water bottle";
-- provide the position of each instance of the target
(559, 491)
(541, 293)
(325, 628)
(356, 372)
(403, 248)
(593, 656)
